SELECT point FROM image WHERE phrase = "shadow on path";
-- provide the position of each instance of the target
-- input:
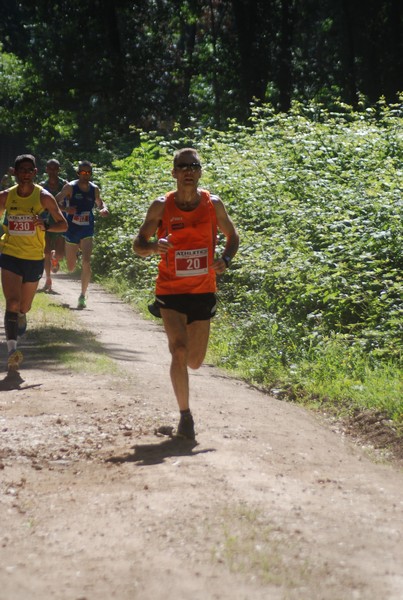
(14, 381)
(153, 454)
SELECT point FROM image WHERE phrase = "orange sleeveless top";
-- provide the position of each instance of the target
(186, 268)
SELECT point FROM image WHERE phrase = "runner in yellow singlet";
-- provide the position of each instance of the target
(23, 243)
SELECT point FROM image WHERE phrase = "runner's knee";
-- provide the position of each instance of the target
(195, 362)
(179, 352)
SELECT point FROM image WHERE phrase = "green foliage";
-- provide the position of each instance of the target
(316, 195)
(149, 64)
(128, 190)
(349, 376)
(25, 108)
(13, 85)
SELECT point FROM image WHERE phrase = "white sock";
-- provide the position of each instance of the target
(11, 345)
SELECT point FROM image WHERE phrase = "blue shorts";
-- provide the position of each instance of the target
(76, 233)
(197, 307)
(29, 270)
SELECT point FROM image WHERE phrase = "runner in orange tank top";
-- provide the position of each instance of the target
(186, 223)
(185, 268)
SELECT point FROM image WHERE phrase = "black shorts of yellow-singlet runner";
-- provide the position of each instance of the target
(29, 270)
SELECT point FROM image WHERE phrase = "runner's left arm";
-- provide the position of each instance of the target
(103, 209)
(226, 225)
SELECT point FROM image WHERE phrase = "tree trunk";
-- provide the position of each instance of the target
(285, 72)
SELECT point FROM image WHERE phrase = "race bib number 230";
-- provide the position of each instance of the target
(21, 225)
(191, 262)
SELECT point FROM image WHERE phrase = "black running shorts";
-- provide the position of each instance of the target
(29, 270)
(197, 307)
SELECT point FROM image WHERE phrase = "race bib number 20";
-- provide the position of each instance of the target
(191, 262)
(21, 225)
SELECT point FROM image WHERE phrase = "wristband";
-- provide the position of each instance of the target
(226, 259)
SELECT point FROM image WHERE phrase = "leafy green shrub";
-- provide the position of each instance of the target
(317, 198)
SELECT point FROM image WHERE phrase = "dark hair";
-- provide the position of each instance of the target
(84, 163)
(24, 158)
(179, 153)
(53, 161)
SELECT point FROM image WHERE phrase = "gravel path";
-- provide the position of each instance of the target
(271, 502)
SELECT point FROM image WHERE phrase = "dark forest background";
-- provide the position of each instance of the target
(84, 75)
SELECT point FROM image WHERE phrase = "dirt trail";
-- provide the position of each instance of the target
(270, 503)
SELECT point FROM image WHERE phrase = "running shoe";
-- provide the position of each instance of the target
(82, 302)
(54, 263)
(22, 324)
(48, 285)
(14, 361)
(186, 428)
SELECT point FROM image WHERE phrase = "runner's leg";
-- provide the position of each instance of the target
(11, 284)
(60, 247)
(48, 250)
(176, 330)
(71, 256)
(28, 290)
(86, 248)
(198, 337)
(19, 298)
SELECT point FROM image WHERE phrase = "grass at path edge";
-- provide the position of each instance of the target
(56, 336)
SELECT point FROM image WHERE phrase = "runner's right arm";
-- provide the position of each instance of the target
(3, 200)
(49, 203)
(65, 194)
(141, 243)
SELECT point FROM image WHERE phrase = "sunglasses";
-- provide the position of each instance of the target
(85, 172)
(23, 170)
(194, 166)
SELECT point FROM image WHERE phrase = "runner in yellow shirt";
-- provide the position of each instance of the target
(23, 243)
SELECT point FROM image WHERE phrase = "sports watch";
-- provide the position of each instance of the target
(226, 259)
